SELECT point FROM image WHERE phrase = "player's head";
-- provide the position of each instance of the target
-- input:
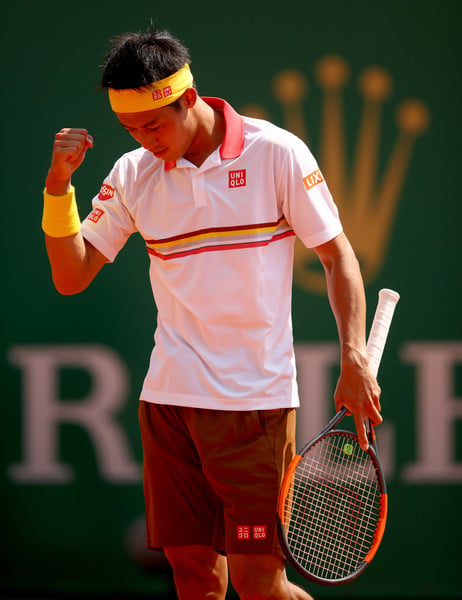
(136, 60)
(151, 91)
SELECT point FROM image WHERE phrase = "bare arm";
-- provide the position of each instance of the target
(357, 389)
(74, 262)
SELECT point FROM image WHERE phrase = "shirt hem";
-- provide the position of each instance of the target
(234, 404)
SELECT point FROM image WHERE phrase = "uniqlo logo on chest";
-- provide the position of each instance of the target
(243, 532)
(95, 215)
(106, 192)
(313, 179)
(237, 178)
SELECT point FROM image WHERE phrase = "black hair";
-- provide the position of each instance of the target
(135, 60)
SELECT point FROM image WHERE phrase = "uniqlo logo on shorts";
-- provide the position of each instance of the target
(106, 192)
(167, 91)
(95, 215)
(259, 532)
(156, 95)
(237, 178)
(313, 179)
(243, 532)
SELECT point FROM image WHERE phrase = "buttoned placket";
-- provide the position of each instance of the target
(198, 176)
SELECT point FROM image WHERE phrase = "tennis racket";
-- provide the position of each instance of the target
(332, 504)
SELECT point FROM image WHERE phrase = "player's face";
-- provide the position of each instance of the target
(167, 132)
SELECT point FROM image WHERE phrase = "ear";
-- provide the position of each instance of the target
(190, 97)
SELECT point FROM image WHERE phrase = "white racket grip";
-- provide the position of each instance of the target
(380, 327)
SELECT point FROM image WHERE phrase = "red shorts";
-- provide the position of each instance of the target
(212, 477)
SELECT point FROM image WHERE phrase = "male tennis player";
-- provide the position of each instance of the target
(218, 199)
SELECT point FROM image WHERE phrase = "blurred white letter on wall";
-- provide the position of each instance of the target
(43, 412)
(436, 410)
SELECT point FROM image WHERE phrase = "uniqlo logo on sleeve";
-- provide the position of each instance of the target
(313, 179)
(259, 532)
(237, 178)
(243, 532)
(95, 215)
(106, 192)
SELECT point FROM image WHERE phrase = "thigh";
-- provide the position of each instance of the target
(181, 506)
(244, 456)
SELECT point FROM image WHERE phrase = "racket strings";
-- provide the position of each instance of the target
(332, 508)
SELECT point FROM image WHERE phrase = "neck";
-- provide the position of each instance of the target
(210, 132)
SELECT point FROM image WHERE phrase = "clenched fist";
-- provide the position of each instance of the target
(68, 154)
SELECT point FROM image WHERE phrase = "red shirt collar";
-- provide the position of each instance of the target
(233, 142)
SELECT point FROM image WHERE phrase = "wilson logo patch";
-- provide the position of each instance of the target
(313, 179)
(237, 178)
(106, 192)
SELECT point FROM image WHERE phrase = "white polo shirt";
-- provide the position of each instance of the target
(220, 239)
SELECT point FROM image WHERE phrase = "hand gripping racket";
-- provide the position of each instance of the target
(332, 504)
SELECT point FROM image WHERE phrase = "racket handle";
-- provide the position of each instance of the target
(380, 327)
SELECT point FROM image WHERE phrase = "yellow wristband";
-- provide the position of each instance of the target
(60, 214)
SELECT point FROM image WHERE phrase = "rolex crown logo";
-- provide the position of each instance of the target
(367, 202)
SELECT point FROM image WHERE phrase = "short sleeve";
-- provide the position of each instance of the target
(109, 224)
(306, 201)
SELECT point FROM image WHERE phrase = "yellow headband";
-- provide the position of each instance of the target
(156, 95)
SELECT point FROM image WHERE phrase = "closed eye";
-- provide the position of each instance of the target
(150, 126)
(134, 130)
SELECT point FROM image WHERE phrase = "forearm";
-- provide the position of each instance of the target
(357, 389)
(347, 299)
(74, 262)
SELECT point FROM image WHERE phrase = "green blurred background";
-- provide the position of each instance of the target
(71, 367)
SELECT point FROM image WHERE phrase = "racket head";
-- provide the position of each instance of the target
(332, 508)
